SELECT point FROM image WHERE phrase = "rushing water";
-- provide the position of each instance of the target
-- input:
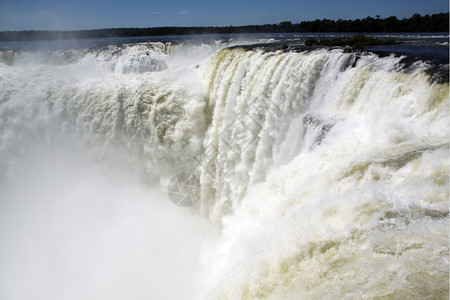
(315, 174)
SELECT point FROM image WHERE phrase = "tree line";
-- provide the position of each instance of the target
(416, 23)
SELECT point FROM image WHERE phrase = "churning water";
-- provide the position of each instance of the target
(308, 174)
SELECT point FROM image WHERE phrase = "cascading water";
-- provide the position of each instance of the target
(326, 171)
(339, 178)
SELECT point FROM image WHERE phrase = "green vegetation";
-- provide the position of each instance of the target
(357, 42)
(417, 23)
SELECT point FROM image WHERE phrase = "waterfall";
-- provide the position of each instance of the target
(325, 172)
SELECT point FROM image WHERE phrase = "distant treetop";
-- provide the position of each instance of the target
(417, 23)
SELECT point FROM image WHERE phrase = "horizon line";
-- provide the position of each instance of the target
(377, 17)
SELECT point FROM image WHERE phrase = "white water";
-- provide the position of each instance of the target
(326, 172)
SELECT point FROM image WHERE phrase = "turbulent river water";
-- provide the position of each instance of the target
(301, 173)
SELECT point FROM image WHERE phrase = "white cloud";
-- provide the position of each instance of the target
(171, 13)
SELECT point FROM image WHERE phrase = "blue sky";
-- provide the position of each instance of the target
(91, 14)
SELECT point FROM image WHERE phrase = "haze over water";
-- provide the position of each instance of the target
(316, 174)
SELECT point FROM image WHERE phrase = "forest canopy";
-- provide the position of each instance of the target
(416, 23)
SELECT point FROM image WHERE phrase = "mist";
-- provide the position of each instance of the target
(69, 230)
